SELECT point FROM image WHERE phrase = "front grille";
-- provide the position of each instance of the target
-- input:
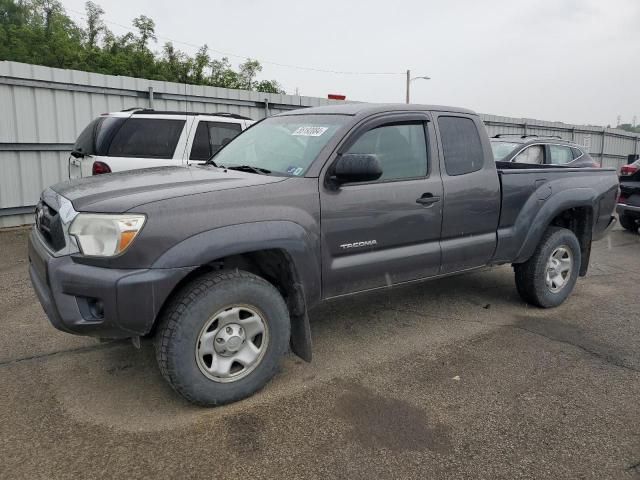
(49, 225)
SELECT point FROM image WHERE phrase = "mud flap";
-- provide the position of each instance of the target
(301, 336)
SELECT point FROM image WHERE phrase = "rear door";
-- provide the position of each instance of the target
(471, 192)
(384, 232)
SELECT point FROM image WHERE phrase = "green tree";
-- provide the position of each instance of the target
(146, 30)
(95, 24)
(269, 86)
(40, 32)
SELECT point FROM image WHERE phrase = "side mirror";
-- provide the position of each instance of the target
(356, 167)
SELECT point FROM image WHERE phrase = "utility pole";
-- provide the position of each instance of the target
(409, 80)
(408, 85)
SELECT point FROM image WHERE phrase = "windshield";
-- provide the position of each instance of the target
(502, 149)
(285, 145)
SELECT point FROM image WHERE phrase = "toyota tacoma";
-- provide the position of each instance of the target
(221, 263)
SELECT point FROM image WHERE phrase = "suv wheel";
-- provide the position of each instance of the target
(548, 277)
(222, 337)
(629, 223)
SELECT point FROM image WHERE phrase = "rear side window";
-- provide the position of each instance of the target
(210, 137)
(577, 153)
(146, 137)
(85, 143)
(560, 155)
(461, 145)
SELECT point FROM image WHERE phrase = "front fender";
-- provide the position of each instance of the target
(302, 246)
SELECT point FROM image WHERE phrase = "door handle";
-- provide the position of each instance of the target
(427, 199)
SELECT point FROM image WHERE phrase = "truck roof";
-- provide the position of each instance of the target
(373, 108)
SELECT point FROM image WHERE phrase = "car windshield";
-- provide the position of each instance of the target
(285, 145)
(502, 149)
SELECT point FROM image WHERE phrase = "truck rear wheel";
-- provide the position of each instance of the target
(629, 223)
(222, 337)
(548, 277)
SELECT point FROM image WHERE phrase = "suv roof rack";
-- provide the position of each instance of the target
(500, 135)
(151, 111)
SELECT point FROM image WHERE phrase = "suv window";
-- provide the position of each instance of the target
(560, 155)
(532, 154)
(400, 148)
(577, 153)
(461, 145)
(146, 137)
(210, 137)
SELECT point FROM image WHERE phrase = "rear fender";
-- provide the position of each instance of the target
(517, 243)
(558, 203)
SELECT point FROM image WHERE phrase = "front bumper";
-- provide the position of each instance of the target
(102, 302)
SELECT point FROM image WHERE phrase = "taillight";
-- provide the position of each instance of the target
(628, 170)
(100, 168)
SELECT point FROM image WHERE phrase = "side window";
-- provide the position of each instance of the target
(461, 145)
(533, 154)
(400, 148)
(210, 136)
(577, 153)
(560, 154)
(222, 133)
(201, 148)
(146, 137)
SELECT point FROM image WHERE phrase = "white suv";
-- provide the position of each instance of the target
(143, 138)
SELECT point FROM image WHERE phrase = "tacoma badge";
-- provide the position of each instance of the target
(366, 243)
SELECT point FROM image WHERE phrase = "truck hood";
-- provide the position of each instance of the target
(119, 192)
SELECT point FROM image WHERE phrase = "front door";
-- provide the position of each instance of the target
(385, 232)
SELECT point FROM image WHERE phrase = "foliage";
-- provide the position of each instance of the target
(41, 33)
(629, 128)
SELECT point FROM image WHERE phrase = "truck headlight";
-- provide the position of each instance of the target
(105, 235)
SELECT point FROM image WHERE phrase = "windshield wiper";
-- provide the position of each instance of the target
(248, 168)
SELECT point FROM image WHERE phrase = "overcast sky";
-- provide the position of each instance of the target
(575, 61)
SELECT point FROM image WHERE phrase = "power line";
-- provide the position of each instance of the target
(245, 57)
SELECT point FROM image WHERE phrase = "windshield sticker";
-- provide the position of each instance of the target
(309, 131)
(293, 170)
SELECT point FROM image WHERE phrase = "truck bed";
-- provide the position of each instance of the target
(529, 191)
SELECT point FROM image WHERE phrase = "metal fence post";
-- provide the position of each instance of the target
(604, 137)
(524, 127)
(266, 107)
(151, 98)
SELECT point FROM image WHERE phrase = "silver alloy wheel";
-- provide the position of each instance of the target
(232, 343)
(559, 266)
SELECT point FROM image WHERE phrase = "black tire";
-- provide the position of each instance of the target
(531, 275)
(188, 312)
(628, 223)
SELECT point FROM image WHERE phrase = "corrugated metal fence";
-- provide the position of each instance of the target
(43, 109)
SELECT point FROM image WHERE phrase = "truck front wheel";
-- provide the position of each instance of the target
(222, 336)
(548, 277)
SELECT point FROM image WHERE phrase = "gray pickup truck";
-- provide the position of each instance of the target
(221, 262)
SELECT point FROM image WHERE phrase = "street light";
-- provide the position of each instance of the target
(411, 79)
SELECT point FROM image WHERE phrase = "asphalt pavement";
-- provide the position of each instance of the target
(455, 378)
